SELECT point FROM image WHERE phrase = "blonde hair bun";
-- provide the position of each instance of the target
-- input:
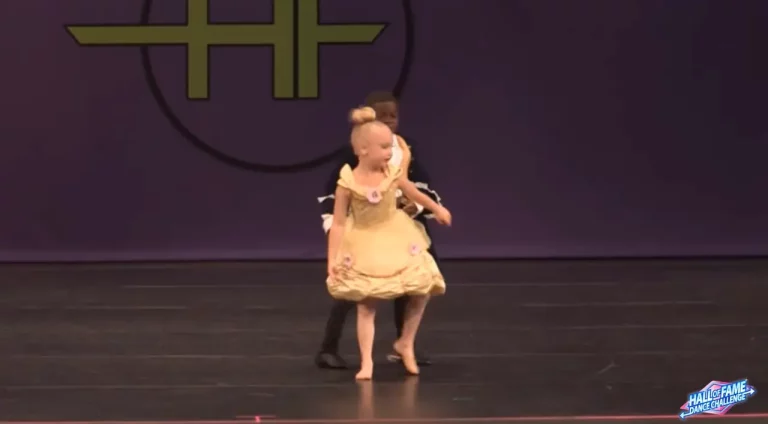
(362, 115)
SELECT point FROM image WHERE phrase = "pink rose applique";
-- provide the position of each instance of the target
(415, 249)
(347, 261)
(373, 196)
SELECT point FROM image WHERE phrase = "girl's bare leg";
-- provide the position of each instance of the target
(414, 311)
(366, 316)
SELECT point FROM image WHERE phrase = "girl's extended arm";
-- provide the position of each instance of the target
(336, 232)
(410, 191)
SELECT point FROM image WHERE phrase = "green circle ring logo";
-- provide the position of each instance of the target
(289, 80)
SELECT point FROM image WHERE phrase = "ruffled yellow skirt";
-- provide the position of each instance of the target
(385, 261)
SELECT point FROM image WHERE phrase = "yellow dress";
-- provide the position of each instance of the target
(383, 253)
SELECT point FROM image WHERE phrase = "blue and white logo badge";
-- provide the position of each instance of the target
(717, 398)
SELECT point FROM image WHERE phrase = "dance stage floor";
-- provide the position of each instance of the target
(512, 341)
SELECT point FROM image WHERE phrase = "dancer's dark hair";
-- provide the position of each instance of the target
(380, 97)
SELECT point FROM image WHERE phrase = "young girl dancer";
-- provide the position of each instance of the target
(378, 252)
(387, 110)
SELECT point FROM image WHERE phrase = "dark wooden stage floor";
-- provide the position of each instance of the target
(231, 342)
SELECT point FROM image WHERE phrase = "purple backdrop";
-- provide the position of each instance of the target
(551, 128)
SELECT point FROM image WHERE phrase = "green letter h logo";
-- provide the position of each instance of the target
(294, 35)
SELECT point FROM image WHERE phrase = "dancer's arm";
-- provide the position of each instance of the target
(336, 232)
(328, 200)
(409, 190)
(420, 177)
(405, 163)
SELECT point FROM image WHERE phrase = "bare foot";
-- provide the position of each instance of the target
(366, 371)
(408, 357)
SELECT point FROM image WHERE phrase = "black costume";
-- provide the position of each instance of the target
(341, 309)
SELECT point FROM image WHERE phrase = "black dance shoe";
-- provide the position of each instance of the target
(422, 360)
(332, 361)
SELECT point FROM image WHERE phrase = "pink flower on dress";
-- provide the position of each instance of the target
(373, 196)
(415, 249)
(347, 261)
